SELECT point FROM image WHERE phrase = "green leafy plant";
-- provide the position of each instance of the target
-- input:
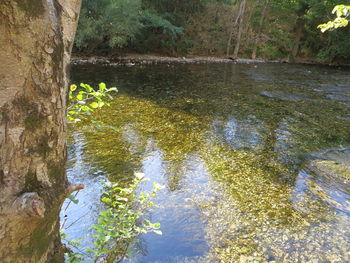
(70, 256)
(83, 100)
(124, 219)
(107, 24)
(342, 12)
(125, 215)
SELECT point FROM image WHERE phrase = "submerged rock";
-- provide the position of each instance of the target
(338, 155)
(330, 168)
(329, 180)
(340, 97)
(283, 96)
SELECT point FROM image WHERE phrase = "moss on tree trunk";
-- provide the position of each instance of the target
(35, 38)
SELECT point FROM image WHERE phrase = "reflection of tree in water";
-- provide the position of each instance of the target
(257, 219)
(119, 153)
(262, 222)
(257, 164)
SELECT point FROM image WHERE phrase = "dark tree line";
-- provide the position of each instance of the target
(268, 29)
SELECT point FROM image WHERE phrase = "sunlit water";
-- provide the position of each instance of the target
(238, 148)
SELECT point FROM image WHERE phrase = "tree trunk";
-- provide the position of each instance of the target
(240, 30)
(298, 34)
(229, 42)
(261, 21)
(36, 38)
(250, 8)
(299, 29)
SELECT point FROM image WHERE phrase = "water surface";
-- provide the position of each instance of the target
(233, 146)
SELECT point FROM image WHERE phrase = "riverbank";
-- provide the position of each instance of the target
(131, 59)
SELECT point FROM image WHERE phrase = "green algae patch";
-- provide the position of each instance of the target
(138, 122)
(261, 219)
(253, 149)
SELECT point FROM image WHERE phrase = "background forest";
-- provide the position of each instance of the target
(268, 29)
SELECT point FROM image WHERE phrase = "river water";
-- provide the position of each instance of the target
(242, 150)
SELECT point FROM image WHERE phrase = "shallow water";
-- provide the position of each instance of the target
(232, 144)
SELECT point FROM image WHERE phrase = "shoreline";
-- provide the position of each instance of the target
(132, 59)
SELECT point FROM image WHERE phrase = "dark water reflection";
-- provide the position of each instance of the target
(232, 144)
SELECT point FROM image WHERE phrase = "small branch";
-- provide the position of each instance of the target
(70, 201)
(74, 187)
(75, 221)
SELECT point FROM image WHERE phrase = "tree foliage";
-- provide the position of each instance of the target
(342, 12)
(106, 24)
(84, 100)
(287, 30)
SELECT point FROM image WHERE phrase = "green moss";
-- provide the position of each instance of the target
(27, 107)
(32, 184)
(33, 121)
(2, 177)
(23, 104)
(56, 170)
(31, 8)
(42, 237)
(43, 147)
(56, 174)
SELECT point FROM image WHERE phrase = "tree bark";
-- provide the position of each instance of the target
(298, 34)
(240, 30)
(36, 38)
(261, 21)
(229, 42)
(299, 29)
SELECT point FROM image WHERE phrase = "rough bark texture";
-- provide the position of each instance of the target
(298, 35)
(35, 39)
(240, 29)
(299, 30)
(261, 21)
(232, 30)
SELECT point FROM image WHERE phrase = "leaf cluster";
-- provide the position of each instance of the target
(124, 220)
(106, 24)
(342, 12)
(84, 100)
